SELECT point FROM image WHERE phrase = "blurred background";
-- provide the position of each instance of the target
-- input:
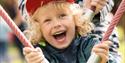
(10, 46)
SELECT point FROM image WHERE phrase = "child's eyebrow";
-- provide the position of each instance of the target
(35, 19)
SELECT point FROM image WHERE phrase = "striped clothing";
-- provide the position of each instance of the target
(101, 24)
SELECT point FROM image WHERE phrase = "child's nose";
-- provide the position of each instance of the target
(57, 24)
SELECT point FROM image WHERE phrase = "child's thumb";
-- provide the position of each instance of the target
(38, 49)
(41, 52)
(27, 50)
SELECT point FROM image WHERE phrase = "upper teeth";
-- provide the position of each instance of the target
(58, 33)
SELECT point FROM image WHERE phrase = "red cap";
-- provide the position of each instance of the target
(32, 5)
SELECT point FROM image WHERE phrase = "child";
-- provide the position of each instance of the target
(56, 23)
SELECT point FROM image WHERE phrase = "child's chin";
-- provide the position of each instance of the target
(62, 46)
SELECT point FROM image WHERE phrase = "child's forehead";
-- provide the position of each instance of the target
(55, 8)
(52, 11)
(49, 12)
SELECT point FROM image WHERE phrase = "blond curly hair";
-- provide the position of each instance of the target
(82, 26)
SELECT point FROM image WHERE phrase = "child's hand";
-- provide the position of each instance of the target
(98, 3)
(102, 50)
(34, 55)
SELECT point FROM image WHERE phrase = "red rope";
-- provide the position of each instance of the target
(120, 11)
(14, 28)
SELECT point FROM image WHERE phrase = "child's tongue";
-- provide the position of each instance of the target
(60, 37)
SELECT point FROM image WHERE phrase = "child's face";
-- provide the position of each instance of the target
(57, 26)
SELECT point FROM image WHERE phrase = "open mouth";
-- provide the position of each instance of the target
(60, 36)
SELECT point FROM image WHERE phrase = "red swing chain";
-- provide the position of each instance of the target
(14, 28)
(120, 11)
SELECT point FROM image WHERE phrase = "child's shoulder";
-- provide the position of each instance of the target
(90, 37)
(88, 40)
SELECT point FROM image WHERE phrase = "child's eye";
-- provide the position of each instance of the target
(47, 20)
(62, 15)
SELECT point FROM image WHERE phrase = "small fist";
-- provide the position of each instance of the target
(33, 55)
(102, 50)
(99, 4)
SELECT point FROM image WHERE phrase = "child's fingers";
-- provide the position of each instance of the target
(36, 58)
(98, 50)
(39, 61)
(109, 43)
(102, 46)
(105, 45)
(35, 61)
(99, 4)
(102, 50)
(38, 55)
(38, 49)
(27, 50)
(31, 54)
(104, 58)
(94, 2)
(35, 52)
